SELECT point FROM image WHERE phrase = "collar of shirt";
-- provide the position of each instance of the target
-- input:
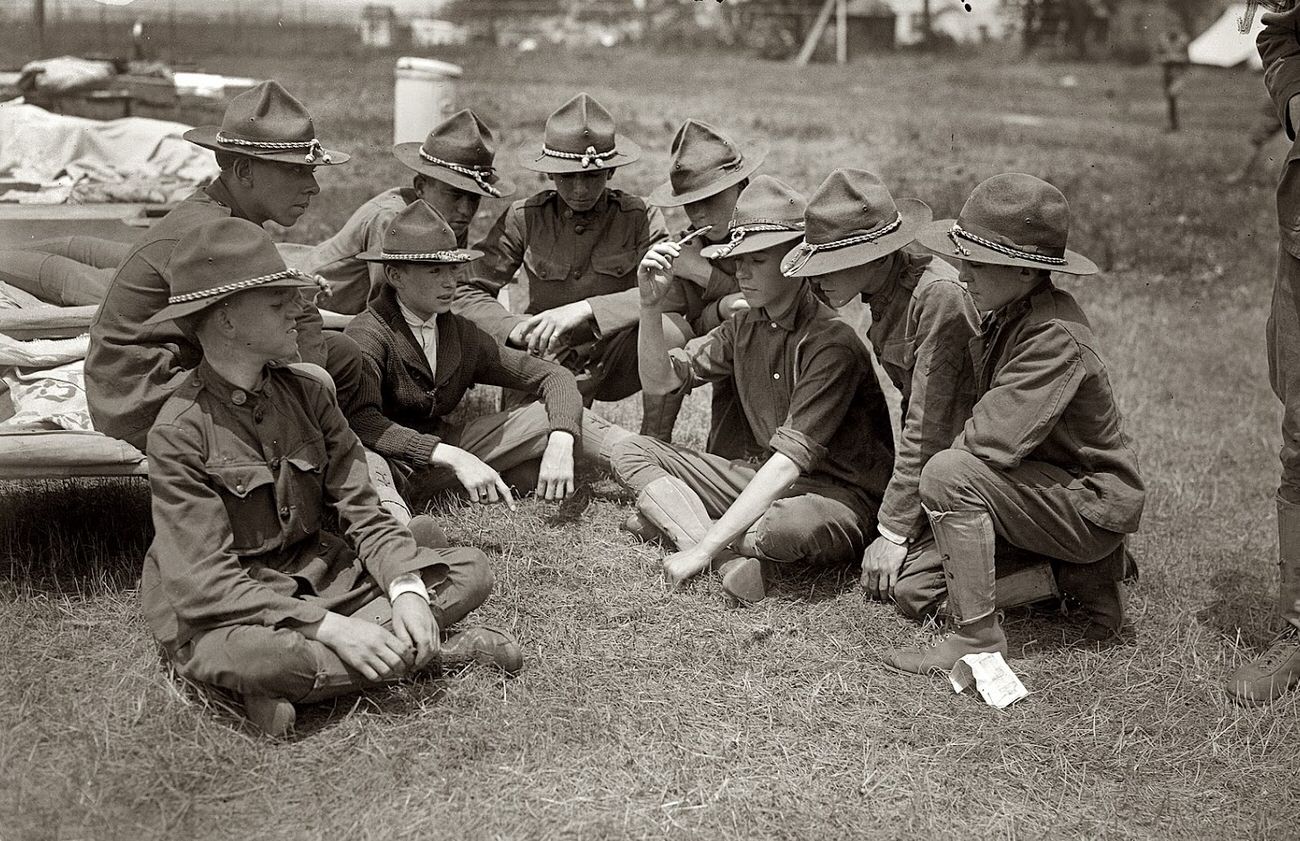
(209, 379)
(799, 312)
(596, 209)
(220, 193)
(425, 332)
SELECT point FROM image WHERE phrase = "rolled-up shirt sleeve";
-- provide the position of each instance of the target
(706, 359)
(1279, 49)
(825, 381)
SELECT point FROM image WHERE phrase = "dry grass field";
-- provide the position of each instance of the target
(647, 714)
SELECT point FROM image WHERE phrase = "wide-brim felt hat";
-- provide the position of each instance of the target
(704, 163)
(769, 212)
(1010, 220)
(580, 137)
(418, 234)
(221, 258)
(267, 123)
(460, 151)
(852, 220)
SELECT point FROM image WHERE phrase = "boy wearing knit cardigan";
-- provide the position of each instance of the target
(421, 359)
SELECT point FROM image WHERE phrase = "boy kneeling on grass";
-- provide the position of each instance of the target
(1043, 462)
(805, 383)
(241, 585)
(421, 359)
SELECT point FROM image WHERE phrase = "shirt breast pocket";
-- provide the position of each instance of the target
(615, 271)
(543, 268)
(304, 481)
(248, 492)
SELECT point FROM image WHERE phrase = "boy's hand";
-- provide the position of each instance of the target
(544, 331)
(555, 478)
(729, 305)
(655, 273)
(415, 627)
(374, 652)
(881, 564)
(1293, 113)
(481, 482)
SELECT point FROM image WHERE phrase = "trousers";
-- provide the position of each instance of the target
(815, 521)
(282, 663)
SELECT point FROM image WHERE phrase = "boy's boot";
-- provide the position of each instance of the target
(1277, 670)
(659, 414)
(486, 645)
(966, 540)
(1096, 587)
(273, 717)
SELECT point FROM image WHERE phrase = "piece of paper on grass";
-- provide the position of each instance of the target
(991, 676)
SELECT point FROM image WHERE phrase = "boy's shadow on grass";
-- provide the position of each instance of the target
(76, 535)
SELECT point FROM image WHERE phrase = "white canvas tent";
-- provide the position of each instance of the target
(1224, 44)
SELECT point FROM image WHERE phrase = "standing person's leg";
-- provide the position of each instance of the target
(1277, 670)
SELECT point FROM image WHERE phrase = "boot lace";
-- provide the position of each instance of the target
(1283, 648)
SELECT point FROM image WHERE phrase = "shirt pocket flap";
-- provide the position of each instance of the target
(240, 479)
(544, 268)
(615, 264)
(309, 458)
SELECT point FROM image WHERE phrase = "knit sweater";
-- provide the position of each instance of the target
(401, 402)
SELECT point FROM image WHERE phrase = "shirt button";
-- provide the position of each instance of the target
(284, 512)
(773, 325)
(239, 487)
(239, 398)
(275, 463)
(776, 376)
(577, 229)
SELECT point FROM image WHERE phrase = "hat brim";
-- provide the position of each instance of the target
(379, 257)
(934, 237)
(915, 214)
(409, 155)
(625, 152)
(663, 196)
(757, 241)
(206, 136)
(184, 308)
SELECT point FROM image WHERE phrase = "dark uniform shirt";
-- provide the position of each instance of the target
(922, 323)
(807, 388)
(1045, 396)
(402, 402)
(566, 256)
(131, 369)
(240, 481)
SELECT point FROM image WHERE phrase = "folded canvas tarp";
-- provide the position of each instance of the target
(41, 147)
(1224, 44)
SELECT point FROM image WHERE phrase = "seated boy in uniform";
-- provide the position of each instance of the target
(421, 359)
(241, 585)
(922, 323)
(579, 245)
(707, 173)
(805, 383)
(1043, 462)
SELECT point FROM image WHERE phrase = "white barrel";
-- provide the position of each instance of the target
(423, 96)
